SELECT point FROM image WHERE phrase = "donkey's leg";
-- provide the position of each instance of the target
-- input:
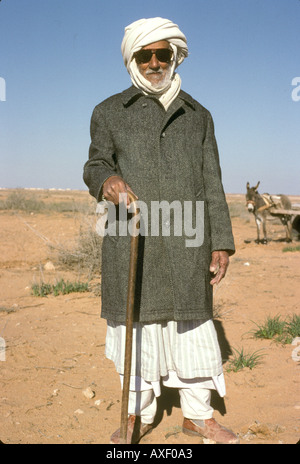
(264, 223)
(286, 221)
(258, 224)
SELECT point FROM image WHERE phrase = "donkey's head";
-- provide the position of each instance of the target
(251, 196)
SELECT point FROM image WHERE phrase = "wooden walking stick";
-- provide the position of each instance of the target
(129, 322)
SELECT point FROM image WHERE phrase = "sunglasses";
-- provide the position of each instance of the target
(163, 55)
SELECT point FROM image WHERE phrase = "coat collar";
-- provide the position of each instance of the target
(132, 94)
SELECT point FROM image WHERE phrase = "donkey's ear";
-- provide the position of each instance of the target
(248, 185)
(257, 185)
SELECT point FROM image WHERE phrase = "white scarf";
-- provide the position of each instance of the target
(144, 32)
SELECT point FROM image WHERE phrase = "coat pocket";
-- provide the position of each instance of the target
(200, 193)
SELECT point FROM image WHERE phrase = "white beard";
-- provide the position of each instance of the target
(164, 82)
(167, 90)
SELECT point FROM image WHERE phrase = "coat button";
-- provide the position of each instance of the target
(144, 105)
(163, 134)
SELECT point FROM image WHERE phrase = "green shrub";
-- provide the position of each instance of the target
(283, 331)
(60, 288)
(240, 360)
(291, 248)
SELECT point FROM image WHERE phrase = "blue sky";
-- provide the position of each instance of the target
(60, 58)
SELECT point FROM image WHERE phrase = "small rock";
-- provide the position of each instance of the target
(260, 429)
(208, 441)
(78, 411)
(88, 393)
(279, 429)
(49, 266)
(265, 430)
(98, 402)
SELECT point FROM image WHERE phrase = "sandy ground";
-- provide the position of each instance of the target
(55, 345)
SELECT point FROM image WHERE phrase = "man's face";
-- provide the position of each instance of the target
(155, 71)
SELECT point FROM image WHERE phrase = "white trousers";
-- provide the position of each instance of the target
(195, 404)
(183, 355)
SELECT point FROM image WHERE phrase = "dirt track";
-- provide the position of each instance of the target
(55, 345)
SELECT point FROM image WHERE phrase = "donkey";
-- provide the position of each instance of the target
(260, 206)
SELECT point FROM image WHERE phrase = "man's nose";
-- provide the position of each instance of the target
(154, 63)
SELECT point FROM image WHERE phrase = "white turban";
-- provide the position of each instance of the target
(144, 32)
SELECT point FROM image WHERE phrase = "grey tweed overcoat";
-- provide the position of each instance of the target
(163, 156)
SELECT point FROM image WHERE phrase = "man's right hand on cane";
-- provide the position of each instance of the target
(113, 187)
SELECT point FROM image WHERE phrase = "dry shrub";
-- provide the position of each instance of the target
(85, 254)
(28, 202)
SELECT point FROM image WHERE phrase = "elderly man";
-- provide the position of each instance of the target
(156, 141)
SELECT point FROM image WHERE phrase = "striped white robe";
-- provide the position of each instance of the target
(185, 354)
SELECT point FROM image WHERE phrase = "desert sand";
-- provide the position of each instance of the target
(57, 387)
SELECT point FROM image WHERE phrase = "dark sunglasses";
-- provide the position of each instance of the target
(163, 55)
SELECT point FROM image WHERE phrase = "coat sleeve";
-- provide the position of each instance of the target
(218, 212)
(101, 163)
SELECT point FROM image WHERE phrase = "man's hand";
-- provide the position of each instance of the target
(218, 266)
(113, 187)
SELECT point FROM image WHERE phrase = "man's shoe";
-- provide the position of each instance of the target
(209, 428)
(135, 431)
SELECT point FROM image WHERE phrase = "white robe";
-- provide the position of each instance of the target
(183, 354)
